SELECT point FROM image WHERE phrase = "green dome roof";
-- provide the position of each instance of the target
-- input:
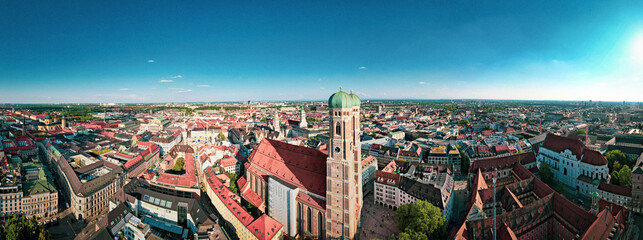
(343, 100)
(356, 101)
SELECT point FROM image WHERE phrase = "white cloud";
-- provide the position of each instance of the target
(166, 80)
(422, 83)
(177, 76)
(203, 85)
(125, 89)
(150, 61)
(362, 68)
(181, 90)
(358, 93)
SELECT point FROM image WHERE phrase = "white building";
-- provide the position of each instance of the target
(573, 164)
(615, 194)
(414, 182)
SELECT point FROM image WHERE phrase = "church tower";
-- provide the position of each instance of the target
(344, 172)
(276, 122)
(302, 118)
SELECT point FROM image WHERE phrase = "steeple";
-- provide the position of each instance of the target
(276, 122)
(302, 118)
(344, 176)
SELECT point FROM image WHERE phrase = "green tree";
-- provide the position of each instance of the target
(420, 220)
(546, 175)
(13, 228)
(178, 165)
(625, 177)
(580, 131)
(22, 228)
(464, 122)
(221, 137)
(615, 178)
(487, 128)
(411, 235)
(464, 163)
(44, 235)
(617, 165)
(311, 119)
(613, 156)
(233, 182)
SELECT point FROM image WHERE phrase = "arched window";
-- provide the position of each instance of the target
(309, 221)
(338, 129)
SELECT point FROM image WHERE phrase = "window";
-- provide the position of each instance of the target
(338, 129)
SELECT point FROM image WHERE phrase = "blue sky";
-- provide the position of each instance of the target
(169, 51)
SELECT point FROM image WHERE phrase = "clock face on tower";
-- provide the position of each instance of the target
(338, 149)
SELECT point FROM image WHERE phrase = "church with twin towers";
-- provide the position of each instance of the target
(313, 193)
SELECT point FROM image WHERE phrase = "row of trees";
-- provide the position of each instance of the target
(21, 228)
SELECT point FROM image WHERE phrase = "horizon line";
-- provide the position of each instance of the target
(367, 99)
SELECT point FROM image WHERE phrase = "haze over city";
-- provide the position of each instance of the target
(161, 51)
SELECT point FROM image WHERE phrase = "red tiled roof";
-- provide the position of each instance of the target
(123, 155)
(502, 162)
(264, 227)
(252, 197)
(366, 160)
(133, 161)
(594, 158)
(311, 201)
(227, 162)
(576, 216)
(501, 148)
(224, 193)
(559, 144)
(619, 212)
(601, 227)
(241, 182)
(505, 233)
(623, 191)
(388, 178)
(301, 166)
(187, 180)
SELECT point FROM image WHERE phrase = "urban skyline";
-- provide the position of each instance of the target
(162, 52)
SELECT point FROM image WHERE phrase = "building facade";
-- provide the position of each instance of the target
(573, 164)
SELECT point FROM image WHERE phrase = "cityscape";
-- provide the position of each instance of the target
(335, 120)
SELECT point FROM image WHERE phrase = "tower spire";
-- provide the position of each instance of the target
(344, 181)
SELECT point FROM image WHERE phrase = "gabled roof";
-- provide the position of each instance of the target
(615, 189)
(558, 144)
(601, 227)
(264, 227)
(504, 162)
(388, 178)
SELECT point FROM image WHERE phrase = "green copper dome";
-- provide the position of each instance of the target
(340, 100)
(355, 98)
(343, 100)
